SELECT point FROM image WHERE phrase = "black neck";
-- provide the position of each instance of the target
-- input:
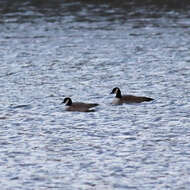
(118, 94)
(70, 102)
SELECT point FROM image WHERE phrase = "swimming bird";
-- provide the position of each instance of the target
(120, 99)
(78, 106)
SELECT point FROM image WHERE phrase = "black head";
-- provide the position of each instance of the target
(116, 91)
(67, 101)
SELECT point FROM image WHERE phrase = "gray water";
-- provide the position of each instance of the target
(83, 51)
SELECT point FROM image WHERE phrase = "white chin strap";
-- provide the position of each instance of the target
(67, 102)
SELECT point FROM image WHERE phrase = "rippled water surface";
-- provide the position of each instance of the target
(84, 50)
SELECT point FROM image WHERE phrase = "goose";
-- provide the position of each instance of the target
(120, 99)
(78, 106)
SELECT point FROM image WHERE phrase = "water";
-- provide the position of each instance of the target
(84, 50)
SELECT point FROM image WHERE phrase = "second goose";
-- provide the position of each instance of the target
(120, 99)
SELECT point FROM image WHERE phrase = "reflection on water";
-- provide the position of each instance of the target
(60, 7)
(82, 49)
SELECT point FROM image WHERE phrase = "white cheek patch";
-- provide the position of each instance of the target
(67, 101)
(116, 91)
